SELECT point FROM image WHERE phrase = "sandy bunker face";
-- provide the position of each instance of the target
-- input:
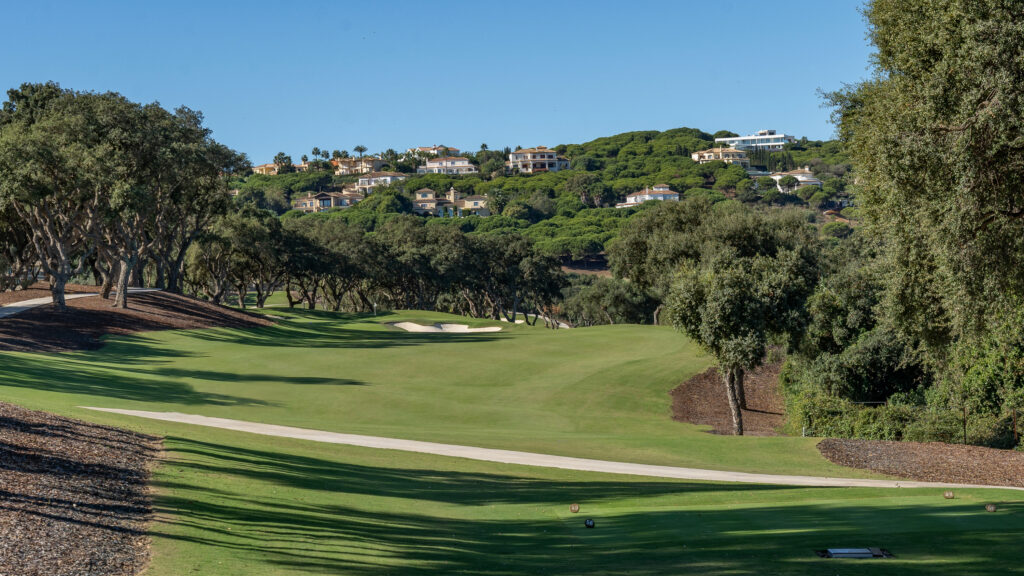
(459, 328)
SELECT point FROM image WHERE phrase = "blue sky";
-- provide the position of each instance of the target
(276, 76)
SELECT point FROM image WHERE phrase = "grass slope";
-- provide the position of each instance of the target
(236, 504)
(598, 392)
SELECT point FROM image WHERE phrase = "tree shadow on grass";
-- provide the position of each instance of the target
(68, 374)
(442, 522)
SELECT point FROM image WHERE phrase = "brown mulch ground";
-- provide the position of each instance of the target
(41, 290)
(73, 496)
(929, 461)
(702, 400)
(44, 329)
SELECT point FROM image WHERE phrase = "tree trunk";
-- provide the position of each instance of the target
(729, 375)
(58, 281)
(128, 265)
(740, 393)
(657, 313)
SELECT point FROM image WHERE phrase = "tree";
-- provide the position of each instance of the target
(483, 147)
(57, 172)
(787, 183)
(315, 152)
(732, 305)
(284, 164)
(360, 149)
(935, 135)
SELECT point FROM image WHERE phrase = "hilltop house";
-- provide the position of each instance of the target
(762, 140)
(727, 155)
(434, 150)
(452, 205)
(533, 160)
(343, 166)
(368, 182)
(271, 169)
(448, 165)
(803, 175)
(656, 192)
(326, 200)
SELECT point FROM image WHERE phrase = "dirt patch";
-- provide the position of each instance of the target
(929, 461)
(74, 498)
(45, 329)
(701, 400)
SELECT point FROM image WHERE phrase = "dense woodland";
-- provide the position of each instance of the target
(902, 319)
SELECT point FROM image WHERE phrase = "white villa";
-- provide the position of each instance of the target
(762, 140)
(533, 160)
(368, 182)
(436, 150)
(804, 177)
(656, 192)
(448, 165)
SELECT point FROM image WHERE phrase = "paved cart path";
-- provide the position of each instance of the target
(19, 307)
(528, 458)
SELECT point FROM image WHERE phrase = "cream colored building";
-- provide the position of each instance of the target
(344, 166)
(454, 165)
(368, 182)
(727, 155)
(533, 160)
(452, 205)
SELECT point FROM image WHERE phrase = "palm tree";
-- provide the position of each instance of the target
(483, 146)
(336, 154)
(360, 149)
(316, 151)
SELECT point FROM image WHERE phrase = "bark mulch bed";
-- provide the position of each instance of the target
(41, 290)
(45, 329)
(702, 400)
(73, 496)
(929, 461)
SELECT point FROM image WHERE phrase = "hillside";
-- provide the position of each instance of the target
(570, 213)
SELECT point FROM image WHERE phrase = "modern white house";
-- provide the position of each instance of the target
(803, 175)
(762, 140)
(368, 182)
(435, 150)
(727, 155)
(533, 160)
(448, 165)
(656, 192)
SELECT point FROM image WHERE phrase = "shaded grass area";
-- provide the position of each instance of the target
(599, 392)
(228, 507)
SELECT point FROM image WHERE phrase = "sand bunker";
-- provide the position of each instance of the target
(456, 328)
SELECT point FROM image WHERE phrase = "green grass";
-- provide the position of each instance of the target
(232, 503)
(598, 392)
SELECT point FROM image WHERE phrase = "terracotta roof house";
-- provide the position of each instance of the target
(533, 160)
(727, 155)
